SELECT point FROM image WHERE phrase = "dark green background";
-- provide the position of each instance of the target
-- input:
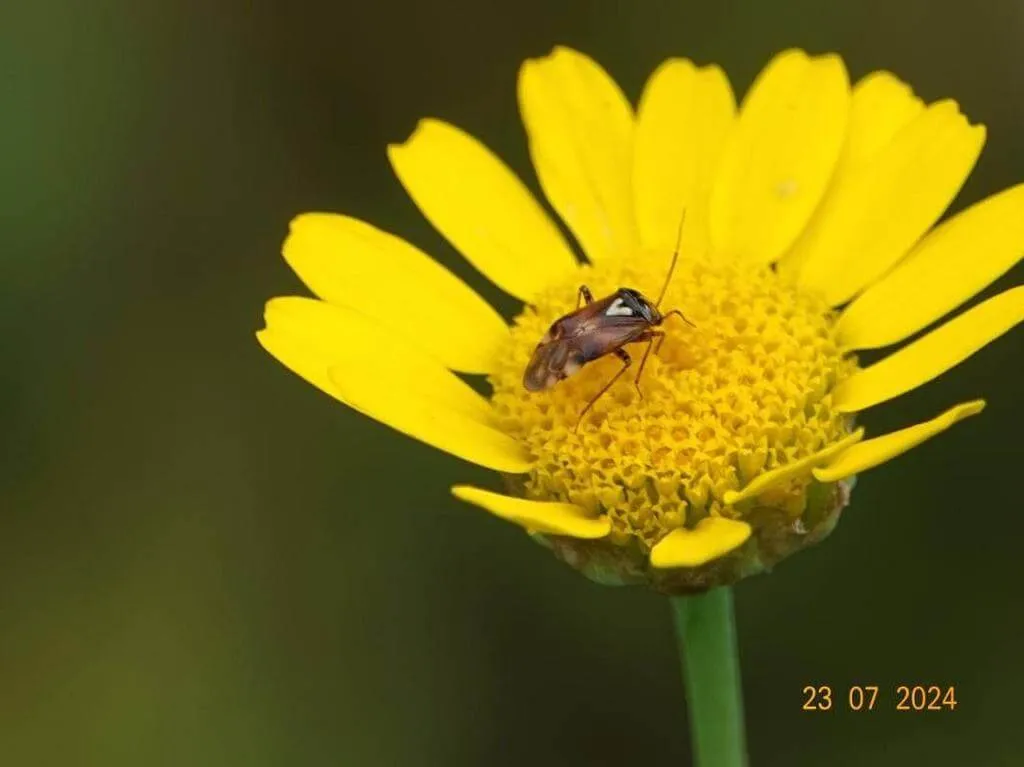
(204, 561)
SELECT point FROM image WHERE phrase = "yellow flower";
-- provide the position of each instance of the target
(806, 238)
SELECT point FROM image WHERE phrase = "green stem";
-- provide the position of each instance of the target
(706, 633)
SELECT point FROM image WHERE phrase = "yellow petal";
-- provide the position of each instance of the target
(870, 453)
(351, 263)
(779, 159)
(712, 538)
(770, 479)
(580, 129)
(420, 418)
(347, 356)
(956, 261)
(335, 333)
(880, 106)
(482, 208)
(878, 208)
(304, 360)
(684, 117)
(932, 355)
(548, 517)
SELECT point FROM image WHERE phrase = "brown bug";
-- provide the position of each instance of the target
(596, 330)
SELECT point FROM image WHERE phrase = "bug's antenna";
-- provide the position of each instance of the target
(675, 257)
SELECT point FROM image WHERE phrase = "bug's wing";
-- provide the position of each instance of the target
(547, 366)
(605, 337)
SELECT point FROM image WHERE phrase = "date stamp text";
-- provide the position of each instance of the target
(872, 697)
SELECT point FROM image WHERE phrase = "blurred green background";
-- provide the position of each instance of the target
(204, 561)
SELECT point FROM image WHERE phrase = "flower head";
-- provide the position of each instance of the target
(805, 239)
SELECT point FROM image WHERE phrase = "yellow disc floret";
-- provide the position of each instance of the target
(744, 391)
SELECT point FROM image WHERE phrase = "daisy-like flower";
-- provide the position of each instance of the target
(807, 237)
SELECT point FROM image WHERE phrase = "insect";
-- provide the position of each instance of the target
(597, 329)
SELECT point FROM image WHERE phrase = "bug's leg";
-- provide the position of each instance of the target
(680, 315)
(653, 337)
(584, 294)
(626, 362)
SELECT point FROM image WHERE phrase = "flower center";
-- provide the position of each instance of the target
(743, 392)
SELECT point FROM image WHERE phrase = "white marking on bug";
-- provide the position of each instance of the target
(618, 309)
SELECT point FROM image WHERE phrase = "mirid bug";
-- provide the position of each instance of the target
(597, 329)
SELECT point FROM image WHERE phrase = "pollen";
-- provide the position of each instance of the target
(744, 391)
